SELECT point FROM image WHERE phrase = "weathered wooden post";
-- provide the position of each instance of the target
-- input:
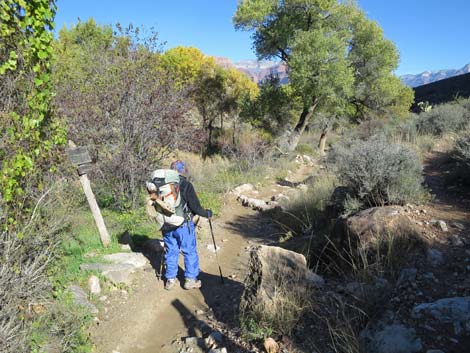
(80, 157)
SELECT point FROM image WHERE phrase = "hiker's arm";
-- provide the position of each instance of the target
(193, 202)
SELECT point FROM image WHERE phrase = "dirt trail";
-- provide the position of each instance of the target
(151, 320)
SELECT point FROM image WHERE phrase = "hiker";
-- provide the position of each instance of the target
(177, 226)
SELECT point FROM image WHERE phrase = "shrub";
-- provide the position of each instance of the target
(461, 155)
(443, 118)
(379, 173)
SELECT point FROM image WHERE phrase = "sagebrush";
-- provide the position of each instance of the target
(378, 172)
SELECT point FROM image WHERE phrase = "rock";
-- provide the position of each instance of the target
(407, 276)
(454, 311)
(395, 338)
(456, 241)
(257, 204)
(211, 248)
(442, 226)
(214, 338)
(81, 298)
(435, 257)
(243, 189)
(269, 268)
(136, 260)
(218, 350)
(270, 345)
(458, 225)
(315, 279)
(434, 351)
(126, 247)
(116, 273)
(367, 228)
(191, 341)
(94, 285)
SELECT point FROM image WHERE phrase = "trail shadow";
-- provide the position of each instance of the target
(224, 301)
(259, 227)
(440, 177)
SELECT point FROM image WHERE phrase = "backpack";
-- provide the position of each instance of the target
(167, 182)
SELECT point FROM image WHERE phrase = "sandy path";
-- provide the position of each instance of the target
(149, 319)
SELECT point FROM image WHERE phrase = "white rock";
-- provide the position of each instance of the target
(443, 226)
(243, 188)
(211, 248)
(94, 285)
(81, 298)
(136, 260)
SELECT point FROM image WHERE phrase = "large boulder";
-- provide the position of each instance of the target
(369, 227)
(273, 270)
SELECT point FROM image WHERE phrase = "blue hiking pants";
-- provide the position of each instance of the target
(181, 239)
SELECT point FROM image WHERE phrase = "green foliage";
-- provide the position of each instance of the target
(450, 117)
(378, 172)
(337, 59)
(29, 128)
(377, 91)
(273, 108)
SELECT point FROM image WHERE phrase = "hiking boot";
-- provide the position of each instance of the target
(170, 283)
(192, 283)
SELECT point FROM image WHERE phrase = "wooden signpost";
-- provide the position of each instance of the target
(80, 157)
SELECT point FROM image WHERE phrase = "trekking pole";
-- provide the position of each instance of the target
(215, 249)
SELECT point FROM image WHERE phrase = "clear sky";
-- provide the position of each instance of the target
(430, 34)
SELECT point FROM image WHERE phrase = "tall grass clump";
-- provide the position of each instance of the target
(288, 301)
(378, 172)
(305, 212)
(444, 118)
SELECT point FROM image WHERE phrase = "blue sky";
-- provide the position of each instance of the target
(430, 34)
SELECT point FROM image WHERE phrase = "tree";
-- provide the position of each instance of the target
(29, 129)
(117, 100)
(311, 37)
(316, 39)
(217, 92)
(377, 91)
(186, 64)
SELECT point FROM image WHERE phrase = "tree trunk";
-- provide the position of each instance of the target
(322, 143)
(211, 128)
(291, 138)
(234, 128)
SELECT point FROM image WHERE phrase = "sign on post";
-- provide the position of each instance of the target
(80, 157)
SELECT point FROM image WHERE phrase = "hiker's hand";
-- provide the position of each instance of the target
(209, 213)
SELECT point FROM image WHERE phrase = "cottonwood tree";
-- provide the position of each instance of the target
(314, 38)
(377, 91)
(217, 92)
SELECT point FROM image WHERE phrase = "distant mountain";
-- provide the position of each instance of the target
(257, 70)
(433, 76)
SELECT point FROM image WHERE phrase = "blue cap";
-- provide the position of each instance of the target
(179, 166)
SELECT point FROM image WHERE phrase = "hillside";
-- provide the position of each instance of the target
(427, 77)
(257, 70)
(444, 90)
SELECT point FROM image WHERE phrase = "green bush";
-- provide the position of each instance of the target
(443, 118)
(378, 172)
